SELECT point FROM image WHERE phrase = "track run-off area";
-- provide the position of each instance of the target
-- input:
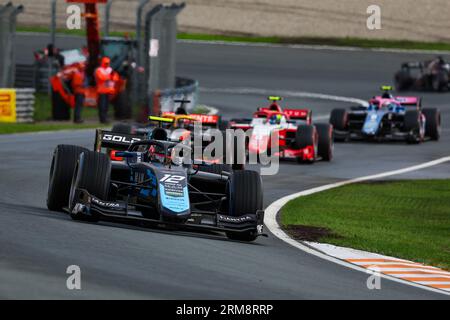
(120, 261)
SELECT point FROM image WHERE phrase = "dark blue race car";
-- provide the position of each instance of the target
(150, 182)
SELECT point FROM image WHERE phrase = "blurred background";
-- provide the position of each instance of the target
(282, 18)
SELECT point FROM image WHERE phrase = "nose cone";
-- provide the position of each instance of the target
(371, 124)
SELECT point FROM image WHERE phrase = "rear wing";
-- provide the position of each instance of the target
(299, 114)
(115, 141)
(409, 101)
(413, 65)
(205, 119)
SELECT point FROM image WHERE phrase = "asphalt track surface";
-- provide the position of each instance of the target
(119, 261)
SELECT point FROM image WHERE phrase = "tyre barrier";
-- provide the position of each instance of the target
(25, 101)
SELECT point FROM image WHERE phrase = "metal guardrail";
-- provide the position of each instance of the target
(8, 20)
(159, 51)
(32, 76)
(25, 76)
(25, 101)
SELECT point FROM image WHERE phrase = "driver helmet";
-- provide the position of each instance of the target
(275, 119)
(388, 105)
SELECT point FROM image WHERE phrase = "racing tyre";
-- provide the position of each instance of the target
(339, 119)
(326, 141)
(433, 123)
(61, 171)
(411, 125)
(124, 128)
(245, 197)
(304, 137)
(92, 173)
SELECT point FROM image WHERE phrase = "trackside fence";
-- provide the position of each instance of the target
(8, 21)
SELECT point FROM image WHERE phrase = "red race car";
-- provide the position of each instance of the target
(299, 138)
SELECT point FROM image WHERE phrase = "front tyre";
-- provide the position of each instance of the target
(61, 171)
(306, 136)
(411, 125)
(246, 197)
(93, 174)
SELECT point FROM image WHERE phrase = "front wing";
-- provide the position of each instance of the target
(89, 205)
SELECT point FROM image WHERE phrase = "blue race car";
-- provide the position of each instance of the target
(387, 117)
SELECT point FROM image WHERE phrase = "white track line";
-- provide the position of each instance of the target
(285, 93)
(272, 224)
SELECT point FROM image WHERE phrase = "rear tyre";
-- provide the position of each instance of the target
(433, 123)
(246, 197)
(92, 173)
(411, 125)
(61, 171)
(339, 119)
(305, 137)
(326, 141)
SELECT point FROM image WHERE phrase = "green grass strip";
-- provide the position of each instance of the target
(404, 219)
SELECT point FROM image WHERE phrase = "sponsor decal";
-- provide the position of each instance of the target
(174, 192)
(119, 139)
(230, 219)
(111, 205)
(7, 105)
(174, 198)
